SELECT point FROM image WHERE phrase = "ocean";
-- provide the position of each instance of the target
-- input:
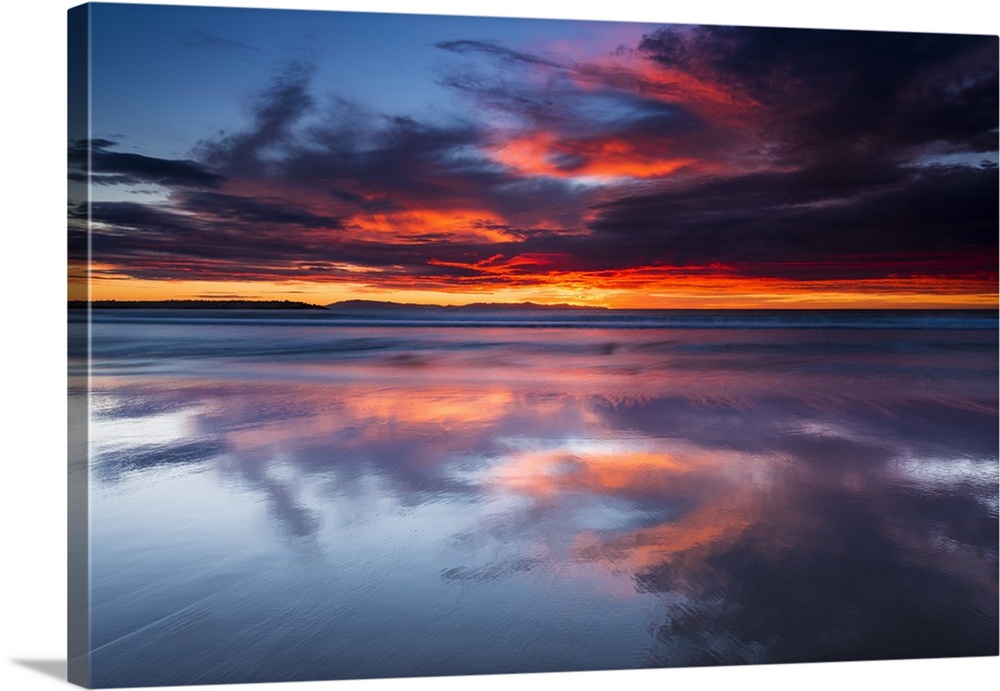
(298, 495)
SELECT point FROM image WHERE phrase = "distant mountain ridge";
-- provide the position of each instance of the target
(344, 305)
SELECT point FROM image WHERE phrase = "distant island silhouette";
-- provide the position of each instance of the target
(346, 305)
(197, 304)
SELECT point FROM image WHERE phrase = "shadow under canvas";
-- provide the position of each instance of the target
(49, 667)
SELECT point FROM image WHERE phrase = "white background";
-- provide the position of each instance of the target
(33, 404)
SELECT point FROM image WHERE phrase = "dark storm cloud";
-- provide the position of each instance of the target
(391, 156)
(150, 240)
(842, 187)
(113, 167)
(141, 218)
(371, 161)
(358, 162)
(238, 209)
(855, 121)
(274, 115)
(345, 150)
(870, 90)
(236, 238)
(823, 213)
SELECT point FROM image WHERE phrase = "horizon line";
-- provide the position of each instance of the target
(508, 305)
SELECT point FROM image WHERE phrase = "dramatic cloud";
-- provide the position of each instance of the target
(869, 91)
(701, 156)
(115, 168)
(823, 220)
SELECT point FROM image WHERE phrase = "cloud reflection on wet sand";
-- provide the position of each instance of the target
(770, 497)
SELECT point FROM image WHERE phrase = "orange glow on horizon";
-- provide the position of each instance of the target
(543, 279)
(631, 289)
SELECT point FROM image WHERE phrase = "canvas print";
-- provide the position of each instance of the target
(408, 345)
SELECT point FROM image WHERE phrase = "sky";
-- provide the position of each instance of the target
(35, 602)
(322, 156)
